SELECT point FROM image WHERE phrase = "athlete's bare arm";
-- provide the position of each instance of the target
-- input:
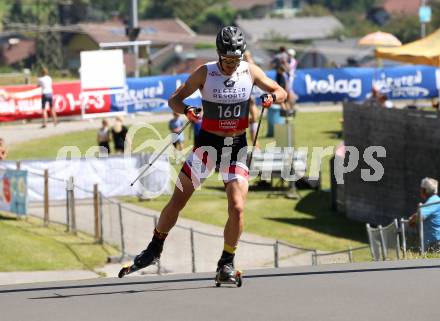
(195, 81)
(267, 84)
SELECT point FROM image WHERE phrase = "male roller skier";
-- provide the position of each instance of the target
(226, 87)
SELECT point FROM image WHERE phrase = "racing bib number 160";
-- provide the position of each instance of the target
(229, 111)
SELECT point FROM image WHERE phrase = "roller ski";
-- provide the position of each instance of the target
(147, 257)
(227, 275)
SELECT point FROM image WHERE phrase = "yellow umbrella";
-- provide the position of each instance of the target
(379, 38)
(382, 39)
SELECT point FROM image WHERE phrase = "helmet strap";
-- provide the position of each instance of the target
(220, 63)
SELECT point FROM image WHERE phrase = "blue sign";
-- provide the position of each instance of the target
(151, 94)
(425, 14)
(13, 192)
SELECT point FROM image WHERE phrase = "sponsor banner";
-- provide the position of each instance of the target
(112, 174)
(354, 84)
(151, 94)
(13, 191)
(24, 102)
(310, 85)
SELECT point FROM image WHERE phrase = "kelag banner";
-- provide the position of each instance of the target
(339, 84)
(151, 94)
(311, 85)
(13, 191)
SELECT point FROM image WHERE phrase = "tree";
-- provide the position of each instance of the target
(344, 5)
(406, 28)
(314, 10)
(49, 47)
(183, 9)
(213, 18)
(17, 13)
(435, 23)
(355, 25)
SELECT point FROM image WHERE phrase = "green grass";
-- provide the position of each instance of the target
(25, 245)
(307, 222)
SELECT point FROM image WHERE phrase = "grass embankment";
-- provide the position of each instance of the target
(307, 222)
(26, 245)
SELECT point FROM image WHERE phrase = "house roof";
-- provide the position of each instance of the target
(15, 53)
(339, 51)
(159, 31)
(249, 4)
(293, 29)
(408, 7)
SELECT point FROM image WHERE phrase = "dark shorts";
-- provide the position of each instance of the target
(280, 78)
(46, 99)
(228, 155)
(104, 147)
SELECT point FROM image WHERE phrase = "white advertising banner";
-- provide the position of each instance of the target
(112, 174)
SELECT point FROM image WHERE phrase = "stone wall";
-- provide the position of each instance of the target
(412, 142)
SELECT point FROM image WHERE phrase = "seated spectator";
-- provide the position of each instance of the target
(385, 102)
(435, 104)
(175, 125)
(373, 97)
(3, 149)
(104, 138)
(119, 133)
(429, 214)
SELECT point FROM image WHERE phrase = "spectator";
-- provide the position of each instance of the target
(104, 138)
(435, 104)
(291, 98)
(119, 133)
(3, 149)
(429, 214)
(45, 82)
(253, 109)
(197, 126)
(385, 102)
(373, 97)
(175, 125)
(281, 66)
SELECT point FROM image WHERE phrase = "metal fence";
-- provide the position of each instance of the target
(188, 249)
(384, 241)
(395, 240)
(345, 256)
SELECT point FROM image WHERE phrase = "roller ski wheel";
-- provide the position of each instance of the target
(237, 279)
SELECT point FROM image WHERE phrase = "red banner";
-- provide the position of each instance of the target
(24, 102)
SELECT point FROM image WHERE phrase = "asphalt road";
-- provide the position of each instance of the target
(398, 290)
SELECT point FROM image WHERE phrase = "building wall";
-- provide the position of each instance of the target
(73, 48)
(411, 139)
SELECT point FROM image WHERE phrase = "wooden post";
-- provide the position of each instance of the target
(350, 254)
(97, 216)
(72, 204)
(193, 255)
(68, 206)
(46, 197)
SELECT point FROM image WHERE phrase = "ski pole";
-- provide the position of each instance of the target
(256, 137)
(176, 136)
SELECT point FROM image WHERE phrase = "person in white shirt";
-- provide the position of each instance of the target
(45, 83)
(291, 96)
(3, 150)
(103, 138)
